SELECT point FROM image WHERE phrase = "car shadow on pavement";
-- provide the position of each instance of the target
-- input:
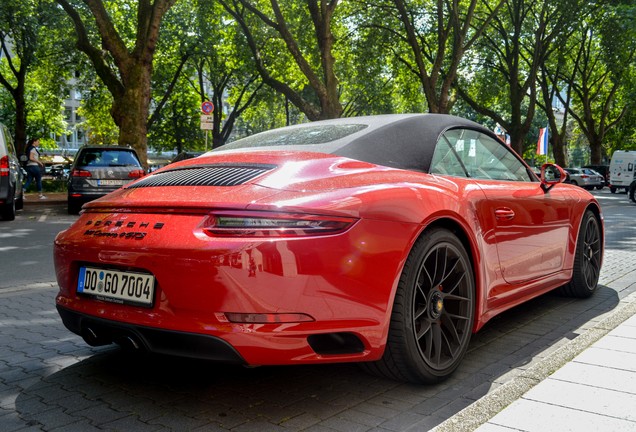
(116, 389)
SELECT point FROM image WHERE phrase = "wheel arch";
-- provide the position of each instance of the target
(596, 210)
(471, 245)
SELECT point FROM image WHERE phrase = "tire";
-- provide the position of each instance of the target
(433, 312)
(632, 192)
(19, 202)
(587, 259)
(7, 210)
(574, 183)
(73, 206)
(612, 189)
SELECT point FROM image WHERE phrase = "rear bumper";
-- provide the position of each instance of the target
(199, 279)
(96, 331)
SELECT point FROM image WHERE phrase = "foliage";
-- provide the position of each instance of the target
(95, 112)
(122, 52)
(32, 73)
(269, 63)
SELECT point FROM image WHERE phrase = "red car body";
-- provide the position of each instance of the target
(321, 287)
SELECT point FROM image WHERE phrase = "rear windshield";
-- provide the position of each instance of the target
(318, 134)
(108, 158)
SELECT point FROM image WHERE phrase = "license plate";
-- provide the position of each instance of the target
(117, 286)
(111, 182)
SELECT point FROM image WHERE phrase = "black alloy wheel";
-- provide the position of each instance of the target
(433, 312)
(587, 260)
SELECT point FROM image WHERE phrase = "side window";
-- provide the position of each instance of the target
(9, 140)
(446, 160)
(481, 157)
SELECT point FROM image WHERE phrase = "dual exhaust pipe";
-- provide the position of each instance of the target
(98, 337)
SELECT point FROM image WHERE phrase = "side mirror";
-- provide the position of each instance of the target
(551, 174)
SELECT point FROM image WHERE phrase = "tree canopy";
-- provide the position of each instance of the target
(144, 67)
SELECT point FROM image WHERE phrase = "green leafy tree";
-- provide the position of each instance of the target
(173, 122)
(293, 48)
(500, 79)
(225, 74)
(31, 52)
(430, 39)
(95, 112)
(122, 51)
(602, 64)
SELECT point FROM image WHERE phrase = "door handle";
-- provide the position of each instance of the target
(504, 214)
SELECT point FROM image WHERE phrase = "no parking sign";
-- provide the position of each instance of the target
(207, 107)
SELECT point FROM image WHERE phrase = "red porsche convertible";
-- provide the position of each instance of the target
(385, 240)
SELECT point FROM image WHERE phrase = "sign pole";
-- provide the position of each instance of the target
(207, 121)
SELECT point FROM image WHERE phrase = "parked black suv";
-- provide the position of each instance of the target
(11, 191)
(99, 170)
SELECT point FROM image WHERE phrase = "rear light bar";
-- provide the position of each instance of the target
(265, 224)
(80, 173)
(136, 174)
(4, 166)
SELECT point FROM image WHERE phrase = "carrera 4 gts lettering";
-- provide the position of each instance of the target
(115, 233)
(127, 235)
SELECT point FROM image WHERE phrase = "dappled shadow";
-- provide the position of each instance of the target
(113, 387)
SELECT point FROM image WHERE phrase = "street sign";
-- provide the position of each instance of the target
(207, 107)
(207, 122)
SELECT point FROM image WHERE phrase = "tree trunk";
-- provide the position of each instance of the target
(128, 75)
(596, 152)
(20, 119)
(558, 150)
(131, 106)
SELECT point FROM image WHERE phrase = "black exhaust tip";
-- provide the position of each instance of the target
(93, 337)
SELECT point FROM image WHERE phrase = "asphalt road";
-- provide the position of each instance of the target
(26, 244)
(51, 380)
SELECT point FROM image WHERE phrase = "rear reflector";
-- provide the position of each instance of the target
(267, 318)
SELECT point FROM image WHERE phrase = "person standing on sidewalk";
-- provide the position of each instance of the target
(34, 166)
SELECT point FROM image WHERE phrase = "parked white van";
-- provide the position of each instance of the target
(622, 170)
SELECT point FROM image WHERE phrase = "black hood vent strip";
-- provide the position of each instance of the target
(207, 175)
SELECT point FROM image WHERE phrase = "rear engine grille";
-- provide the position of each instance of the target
(204, 175)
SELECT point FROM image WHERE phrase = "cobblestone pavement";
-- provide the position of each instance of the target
(51, 380)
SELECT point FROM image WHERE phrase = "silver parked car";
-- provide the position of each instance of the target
(11, 191)
(586, 178)
(99, 170)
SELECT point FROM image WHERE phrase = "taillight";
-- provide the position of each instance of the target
(585, 176)
(4, 166)
(80, 173)
(263, 224)
(136, 174)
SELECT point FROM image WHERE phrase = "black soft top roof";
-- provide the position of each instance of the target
(404, 141)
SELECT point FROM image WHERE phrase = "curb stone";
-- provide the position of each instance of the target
(481, 411)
